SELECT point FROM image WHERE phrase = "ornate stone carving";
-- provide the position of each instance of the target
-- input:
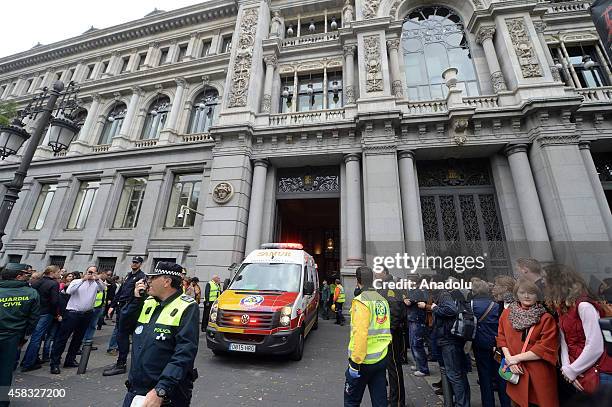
(370, 8)
(180, 82)
(243, 62)
(223, 192)
(394, 7)
(349, 50)
(460, 126)
(348, 13)
(350, 94)
(393, 44)
(398, 90)
(266, 104)
(374, 78)
(528, 60)
(276, 25)
(540, 26)
(497, 79)
(485, 32)
(477, 3)
(271, 60)
(555, 73)
(558, 139)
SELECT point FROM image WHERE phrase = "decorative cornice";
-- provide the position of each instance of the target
(370, 149)
(133, 30)
(557, 139)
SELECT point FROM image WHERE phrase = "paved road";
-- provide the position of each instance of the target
(235, 380)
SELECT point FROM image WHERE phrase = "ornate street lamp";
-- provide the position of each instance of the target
(45, 109)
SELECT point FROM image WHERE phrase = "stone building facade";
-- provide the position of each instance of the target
(334, 123)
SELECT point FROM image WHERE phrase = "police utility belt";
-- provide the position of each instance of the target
(192, 376)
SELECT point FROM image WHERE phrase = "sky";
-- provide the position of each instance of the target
(27, 22)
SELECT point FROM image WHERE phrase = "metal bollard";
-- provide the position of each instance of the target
(84, 357)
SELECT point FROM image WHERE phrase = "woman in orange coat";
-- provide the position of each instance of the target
(536, 366)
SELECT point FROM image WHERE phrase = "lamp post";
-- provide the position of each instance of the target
(62, 130)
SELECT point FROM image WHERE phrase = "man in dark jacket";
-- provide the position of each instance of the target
(123, 297)
(417, 330)
(453, 362)
(395, 298)
(18, 316)
(48, 291)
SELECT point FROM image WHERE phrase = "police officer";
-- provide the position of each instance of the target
(211, 293)
(395, 298)
(19, 311)
(370, 338)
(123, 297)
(165, 339)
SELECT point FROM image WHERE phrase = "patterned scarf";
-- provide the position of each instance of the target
(508, 298)
(522, 319)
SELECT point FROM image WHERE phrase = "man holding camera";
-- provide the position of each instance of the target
(123, 297)
(165, 338)
(75, 321)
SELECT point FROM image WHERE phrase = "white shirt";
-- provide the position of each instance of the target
(83, 294)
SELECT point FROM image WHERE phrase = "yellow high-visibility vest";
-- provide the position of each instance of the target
(379, 330)
(170, 315)
(99, 298)
(215, 290)
(341, 296)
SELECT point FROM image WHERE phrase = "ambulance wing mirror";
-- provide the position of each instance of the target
(226, 283)
(309, 288)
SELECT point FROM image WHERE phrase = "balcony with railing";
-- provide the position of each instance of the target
(195, 137)
(100, 148)
(482, 102)
(424, 107)
(312, 117)
(145, 143)
(309, 39)
(596, 95)
(560, 7)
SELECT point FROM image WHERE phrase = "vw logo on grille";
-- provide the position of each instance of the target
(244, 319)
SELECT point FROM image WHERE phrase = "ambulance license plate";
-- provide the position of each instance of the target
(239, 347)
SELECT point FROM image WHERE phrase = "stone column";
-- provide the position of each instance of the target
(354, 219)
(18, 89)
(79, 71)
(36, 83)
(47, 78)
(266, 103)
(349, 74)
(133, 61)
(600, 196)
(113, 65)
(540, 26)
(169, 132)
(151, 60)
(7, 91)
(97, 71)
(256, 206)
(410, 204)
(122, 140)
(570, 66)
(397, 86)
(146, 219)
(53, 220)
(484, 36)
(603, 59)
(192, 46)
(82, 143)
(529, 203)
(172, 52)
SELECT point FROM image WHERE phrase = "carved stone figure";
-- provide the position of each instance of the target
(497, 79)
(276, 25)
(223, 192)
(347, 13)
(370, 8)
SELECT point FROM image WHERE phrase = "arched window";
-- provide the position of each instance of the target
(113, 123)
(433, 39)
(203, 111)
(156, 117)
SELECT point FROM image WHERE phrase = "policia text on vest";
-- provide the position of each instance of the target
(165, 340)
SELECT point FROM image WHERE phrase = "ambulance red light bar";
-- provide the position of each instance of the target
(292, 246)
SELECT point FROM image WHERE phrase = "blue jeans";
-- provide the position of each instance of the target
(50, 338)
(374, 377)
(487, 375)
(454, 361)
(605, 379)
(42, 326)
(112, 344)
(416, 334)
(91, 329)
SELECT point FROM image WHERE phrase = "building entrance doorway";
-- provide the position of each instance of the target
(308, 212)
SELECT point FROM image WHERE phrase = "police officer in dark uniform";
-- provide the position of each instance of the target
(165, 339)
(123, 297)
(19, 311)
(397, 308)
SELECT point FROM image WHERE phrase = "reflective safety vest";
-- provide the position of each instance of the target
(215, 290)
(341, 296)
(170, 315)
(379, 330)
(99, 298)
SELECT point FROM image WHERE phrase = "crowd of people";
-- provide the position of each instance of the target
(534, 338)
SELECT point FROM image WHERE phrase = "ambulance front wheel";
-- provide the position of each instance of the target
(218, 352)
(298, 352)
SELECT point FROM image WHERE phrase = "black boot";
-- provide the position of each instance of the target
(115, 370)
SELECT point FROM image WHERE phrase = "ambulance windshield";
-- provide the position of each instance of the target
(268, 277)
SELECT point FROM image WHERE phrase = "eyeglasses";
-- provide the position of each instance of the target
(135, 262)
